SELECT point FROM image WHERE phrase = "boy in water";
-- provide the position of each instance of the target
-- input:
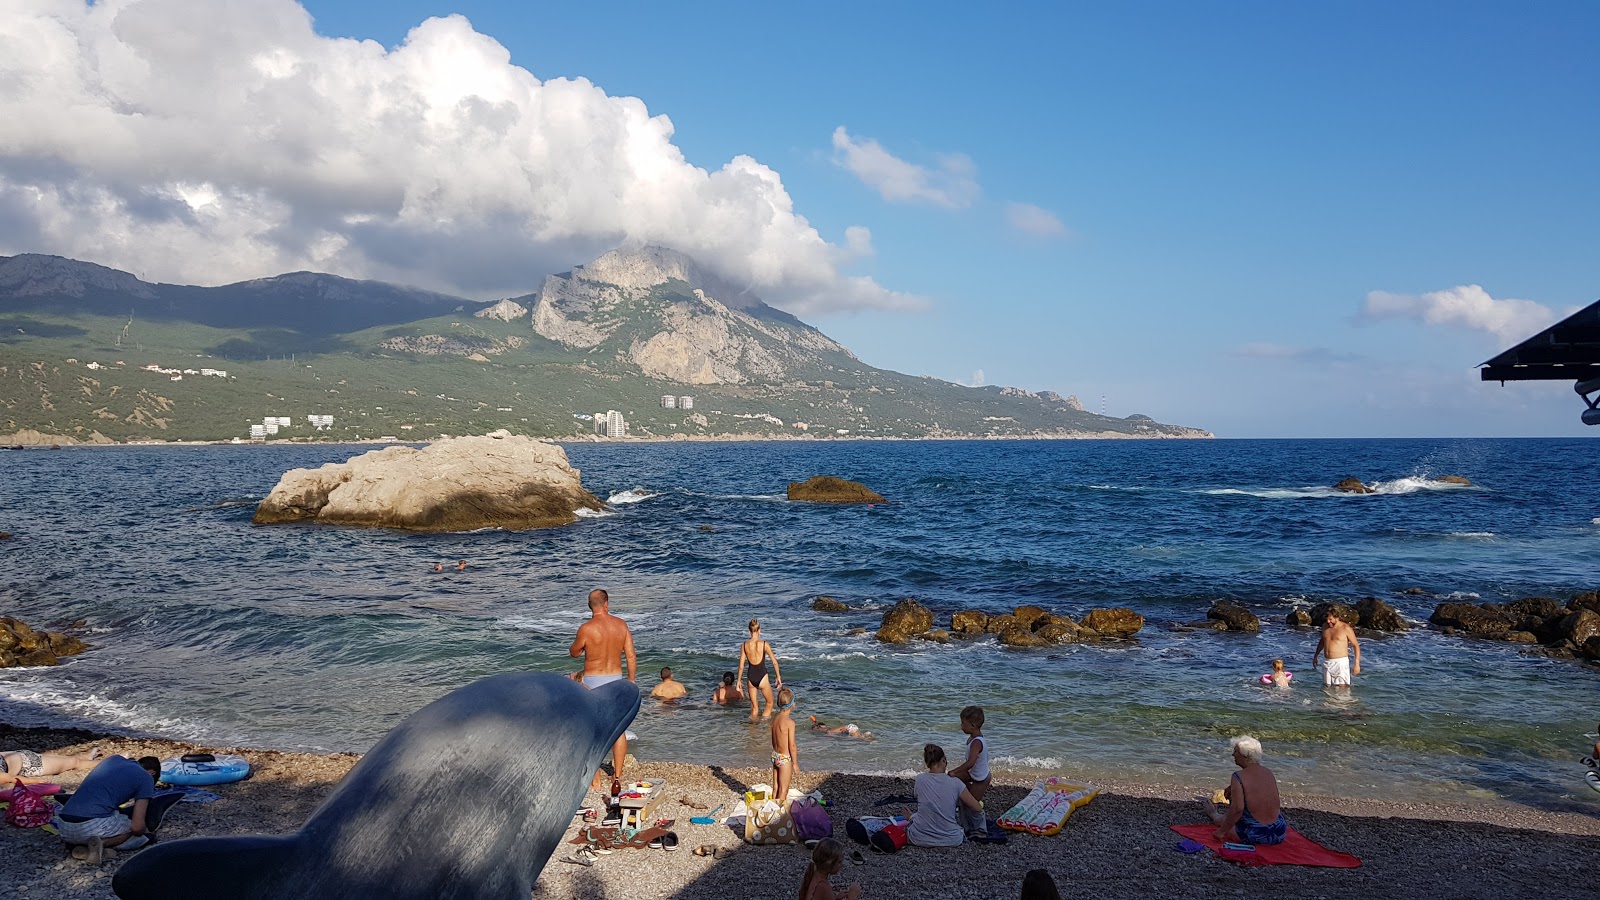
(851, 730)
(974, 772)
(785, 755)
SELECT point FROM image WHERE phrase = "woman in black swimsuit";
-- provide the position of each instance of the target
(755, 653)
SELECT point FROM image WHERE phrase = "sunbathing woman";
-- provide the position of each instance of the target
(756, 653)
(1253, 783)
(29, 767)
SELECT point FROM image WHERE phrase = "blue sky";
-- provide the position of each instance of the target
(1212, 190)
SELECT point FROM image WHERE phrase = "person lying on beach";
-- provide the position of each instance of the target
(1255, 786)
(728, 691)
(851, 730)
(827, 859)
(92, 817)
(1278, 677)
(785, 755)
(29, 767)
(935, 823)
(669, 690)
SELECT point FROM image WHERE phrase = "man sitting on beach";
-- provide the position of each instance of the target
(92, 816)
(669, 690)
(1337, 639)
(602, 642)
(29, 767)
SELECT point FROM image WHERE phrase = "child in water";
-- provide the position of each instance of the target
(826, 861)
(851, 730)
(1278, 677)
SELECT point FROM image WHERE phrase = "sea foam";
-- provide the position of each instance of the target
(632, 495)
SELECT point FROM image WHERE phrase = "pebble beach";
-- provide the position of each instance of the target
(1119, 846)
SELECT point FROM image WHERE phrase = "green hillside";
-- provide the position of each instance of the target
(415, 380)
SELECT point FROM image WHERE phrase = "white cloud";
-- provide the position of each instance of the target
(952, 184)
(213, 140)
(1467, 306)
(1034, 220)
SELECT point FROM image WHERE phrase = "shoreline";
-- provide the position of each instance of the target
(65, 442)
(1118, 847)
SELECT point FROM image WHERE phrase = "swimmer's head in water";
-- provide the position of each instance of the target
(1277, 665)
(727, 678)
(666, 673)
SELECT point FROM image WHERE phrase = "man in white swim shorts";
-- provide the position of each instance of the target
(1337, 640)
(603, 641)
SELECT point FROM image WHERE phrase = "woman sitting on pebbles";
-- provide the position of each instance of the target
(939, 796)
(1253, 816)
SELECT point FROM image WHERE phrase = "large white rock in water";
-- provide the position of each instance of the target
(461, 484)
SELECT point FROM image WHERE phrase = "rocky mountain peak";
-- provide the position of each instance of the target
(37, 275)
(642, 268)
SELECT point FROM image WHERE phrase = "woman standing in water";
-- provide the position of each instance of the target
(756, 653)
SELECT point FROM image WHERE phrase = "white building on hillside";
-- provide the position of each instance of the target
(686, 402)
(668, 401)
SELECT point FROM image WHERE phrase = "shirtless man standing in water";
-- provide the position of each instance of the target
(1337, 639)
(602, 642)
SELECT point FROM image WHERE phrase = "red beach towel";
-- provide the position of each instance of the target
(1296, 850)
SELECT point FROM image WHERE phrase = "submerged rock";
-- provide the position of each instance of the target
(937, 636)
(828, 489)
(969, 621)
(1454, 479)
(1379, 616)
(21, 645)
(461, 484)
(904, 621)
(1118, 622)
(1352, 486)
(1234, 617)
(828, 604)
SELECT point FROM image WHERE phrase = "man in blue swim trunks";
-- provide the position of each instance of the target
(1253, 816)
(602, 642)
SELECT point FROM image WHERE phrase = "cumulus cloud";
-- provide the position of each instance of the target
(213, 140)
(952, 184)
(1467, 306)
(1034, 220)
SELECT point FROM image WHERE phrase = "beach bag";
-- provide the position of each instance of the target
(861, 830)
(811, 821)
(889, 838)
(28, 809)
(770, 824)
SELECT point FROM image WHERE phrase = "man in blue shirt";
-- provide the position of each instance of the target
(93, 816)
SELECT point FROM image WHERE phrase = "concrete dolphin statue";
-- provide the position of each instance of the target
(466, 799)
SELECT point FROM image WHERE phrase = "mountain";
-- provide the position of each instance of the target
(624, 332)
(310, 303)
(658, 310)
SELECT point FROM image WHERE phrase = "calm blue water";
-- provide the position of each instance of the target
(305, 637)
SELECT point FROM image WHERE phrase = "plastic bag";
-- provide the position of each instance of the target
(28, 809)
(811, 821)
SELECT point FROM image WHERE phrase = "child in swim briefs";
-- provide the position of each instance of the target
(785, 754)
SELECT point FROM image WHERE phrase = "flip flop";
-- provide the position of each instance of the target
(578, 859)
(1189, 845)
(655, 843)
(722, 853)
(669, 841)
(857, 858)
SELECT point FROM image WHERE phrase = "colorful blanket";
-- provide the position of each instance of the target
(1296, 850)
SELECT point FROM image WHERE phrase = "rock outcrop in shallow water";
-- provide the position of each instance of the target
(1572, 630)
(904, 621)
(828, 604)
(462, 484)
(1234, 616)
(1118, 622)
(828, 489)
(21, 645)
(1352, 486)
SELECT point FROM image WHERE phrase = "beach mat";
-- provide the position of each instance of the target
(610, 837)
(1296, 850)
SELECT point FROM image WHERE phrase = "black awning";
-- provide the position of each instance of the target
(1567, 350)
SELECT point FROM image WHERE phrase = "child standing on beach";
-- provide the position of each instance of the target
(826, 861)
(974, 772)
(785, 755)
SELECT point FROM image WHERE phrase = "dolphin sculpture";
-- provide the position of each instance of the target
(465, 799)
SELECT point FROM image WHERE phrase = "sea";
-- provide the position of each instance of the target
(208, 628)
